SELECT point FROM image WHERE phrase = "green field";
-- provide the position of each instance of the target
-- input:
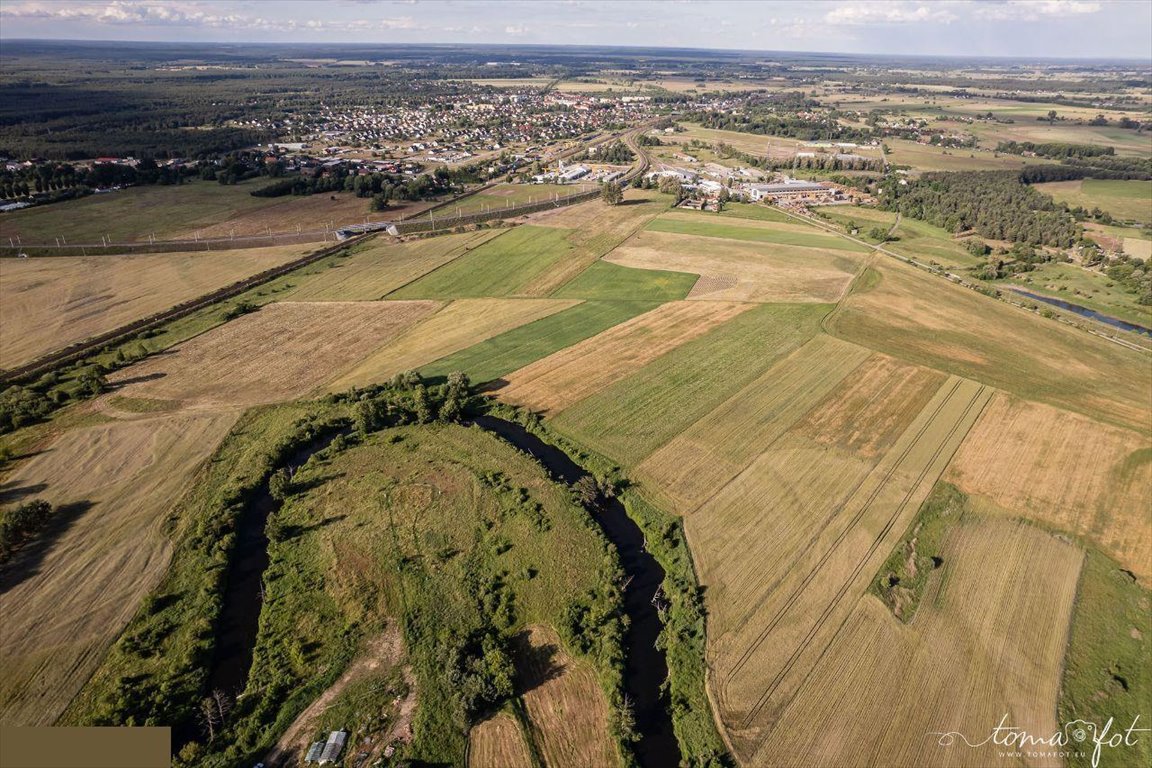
(755, 212)
(500, 267)
(755, 235)
(638, 414)
(1106, 670)
(514, 349)
(605, 280)
(1125, 200)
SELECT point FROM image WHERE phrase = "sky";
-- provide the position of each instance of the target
(1028, 28)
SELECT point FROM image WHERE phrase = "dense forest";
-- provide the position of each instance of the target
(997, 205)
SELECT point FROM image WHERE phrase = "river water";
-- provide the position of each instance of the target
(1092, 314)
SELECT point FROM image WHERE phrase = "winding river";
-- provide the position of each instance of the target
(646, 667)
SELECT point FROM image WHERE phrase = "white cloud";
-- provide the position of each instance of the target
(858, 14)
(186, 14)
(1031, 10)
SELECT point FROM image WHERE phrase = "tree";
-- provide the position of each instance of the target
(279, 484)
(1051, 116)
(611, 193)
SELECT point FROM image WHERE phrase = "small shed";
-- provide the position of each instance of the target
(333, 748)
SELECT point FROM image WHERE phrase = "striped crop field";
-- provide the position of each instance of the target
(637, 414)
(825, 518)
(570, 375)
(988, 640)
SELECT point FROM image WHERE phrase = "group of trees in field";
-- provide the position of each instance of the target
(995, 204)
(382, 187)
(784, 124)
(51, 181)
(1054, 149)
(616, 153)
(21, 524)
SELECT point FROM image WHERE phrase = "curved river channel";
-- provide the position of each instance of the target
(646, 667)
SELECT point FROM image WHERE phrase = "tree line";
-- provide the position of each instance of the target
(1054, 149)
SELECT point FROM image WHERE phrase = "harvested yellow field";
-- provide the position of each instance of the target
(382, 266)
(701, 460)
(1066, 471)
(787, 548)
(566, 708)
(552, 384)
(988, 641)
(922, 319)
(459, 325)
(731, 270)
(63, 604)
(283, 351)
(498, 743)
(51, 302)
(873, 408)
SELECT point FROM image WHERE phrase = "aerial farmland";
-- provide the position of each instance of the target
(683, 468)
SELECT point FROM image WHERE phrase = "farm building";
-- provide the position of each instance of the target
(787, 190)
(327, 752)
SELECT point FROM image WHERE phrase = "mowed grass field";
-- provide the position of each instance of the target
(458, 326)
(1125, 200)
(498, 742)
(1029, 459)
(203, 208)
(988, 639)
(922, 319)
(567, 714)
(50, 302)
(781, 234)
(552, 384)
(68, 596)
(281, 352)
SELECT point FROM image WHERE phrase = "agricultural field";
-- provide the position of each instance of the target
(194, 209)
(988, 639)
(502, 266)
(1029, 459)
(280, 352)
(776, 147)
(611, 280)
(922, 319)
(552, 384)
(373, 270)
(566, 714)
(499, 355)
(836, 514)
(458, 326)
(1125, 200)
(732, 270)
(925, 157)
(503, 196)
(67, 598)
(754, 232)
(636, 415)
(50, 302)
(498, 742)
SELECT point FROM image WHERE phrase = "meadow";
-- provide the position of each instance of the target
(502, 196)
(1125, 200)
